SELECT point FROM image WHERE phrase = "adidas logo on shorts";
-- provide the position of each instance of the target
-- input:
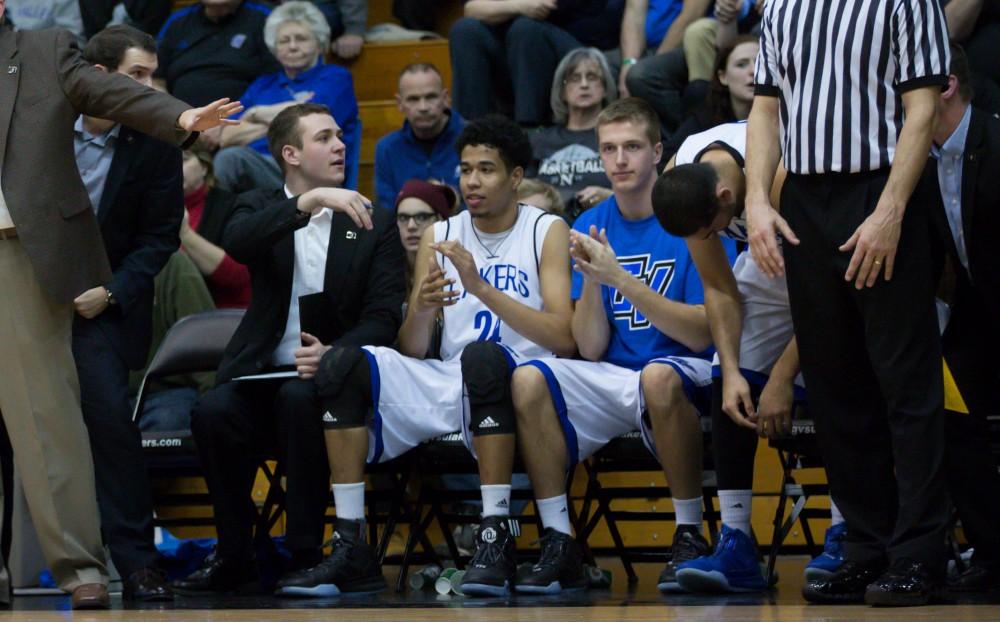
(488, 423)
(328, 418)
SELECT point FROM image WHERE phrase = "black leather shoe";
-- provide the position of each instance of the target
(975, 578)
(907, 583)
(147, 585)
(846, 586)
(220, 575)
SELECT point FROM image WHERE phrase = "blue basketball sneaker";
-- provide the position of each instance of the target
(733, 567)
(827, 562)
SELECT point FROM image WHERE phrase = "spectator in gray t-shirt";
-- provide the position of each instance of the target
(566, 154)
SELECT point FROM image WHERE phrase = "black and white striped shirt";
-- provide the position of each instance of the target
(839, 68)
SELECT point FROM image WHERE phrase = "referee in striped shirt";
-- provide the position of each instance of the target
(853, 88)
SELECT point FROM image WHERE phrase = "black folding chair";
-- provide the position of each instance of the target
(194, 344)
(628, 454)
(799, 450)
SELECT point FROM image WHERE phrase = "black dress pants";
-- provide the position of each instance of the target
(237, 423)
(123, 492)
(871, 359)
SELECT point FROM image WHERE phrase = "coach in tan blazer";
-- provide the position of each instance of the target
(50, 252)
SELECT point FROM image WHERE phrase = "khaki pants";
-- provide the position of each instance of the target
(699, 48)
(40, 403)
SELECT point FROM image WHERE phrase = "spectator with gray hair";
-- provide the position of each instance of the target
(347, 19)
(297, 34)
(565, 154)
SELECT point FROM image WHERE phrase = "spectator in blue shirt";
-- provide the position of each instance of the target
(424, 147)
(297, 34)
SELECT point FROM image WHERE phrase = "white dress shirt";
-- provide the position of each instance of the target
(949, 166)
(311, 246)
(5, 220)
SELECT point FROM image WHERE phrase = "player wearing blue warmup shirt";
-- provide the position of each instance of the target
(640, 322)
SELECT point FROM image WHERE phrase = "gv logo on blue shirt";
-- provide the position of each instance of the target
(656, 274)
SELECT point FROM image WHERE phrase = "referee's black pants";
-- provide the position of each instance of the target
(871, 360)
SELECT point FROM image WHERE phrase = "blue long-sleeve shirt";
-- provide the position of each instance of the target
(399, 156)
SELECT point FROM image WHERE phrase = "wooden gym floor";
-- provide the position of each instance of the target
(640, 603)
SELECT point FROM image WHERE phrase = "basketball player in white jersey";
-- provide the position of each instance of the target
(640, 323)
(499, 275)
(756, 372)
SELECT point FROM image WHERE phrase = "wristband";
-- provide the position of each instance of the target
(629, 61)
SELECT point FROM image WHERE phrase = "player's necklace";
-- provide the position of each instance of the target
(491, 253)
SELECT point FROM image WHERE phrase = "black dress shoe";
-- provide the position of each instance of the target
(846, 586)
(147, 585)
(220, 575)
(975, 578)
(907, 583)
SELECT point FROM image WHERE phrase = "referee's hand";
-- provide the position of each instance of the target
(874, 244)
(764, 224)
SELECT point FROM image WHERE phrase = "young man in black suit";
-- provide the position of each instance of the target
(320, 261)
(966, 165)
(135, 185)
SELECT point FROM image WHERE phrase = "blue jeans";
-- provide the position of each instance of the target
(168, 410)
(239, 169)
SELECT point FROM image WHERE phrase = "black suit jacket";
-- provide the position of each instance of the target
(364, 281)
(972, 338)
(139, 216)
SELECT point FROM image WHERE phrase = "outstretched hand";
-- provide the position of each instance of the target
(213, 115)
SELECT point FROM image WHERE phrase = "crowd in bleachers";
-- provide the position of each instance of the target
(551, 67)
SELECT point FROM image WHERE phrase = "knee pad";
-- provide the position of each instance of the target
(334, 368)
(486, 370)
(344, 386)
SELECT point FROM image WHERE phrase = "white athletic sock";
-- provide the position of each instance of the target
(496, 499)
(835, 516)
(555, 513)
(735, 508)
(350, 500)
(688, 511)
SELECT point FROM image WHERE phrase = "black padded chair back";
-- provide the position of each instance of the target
(194, 344)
